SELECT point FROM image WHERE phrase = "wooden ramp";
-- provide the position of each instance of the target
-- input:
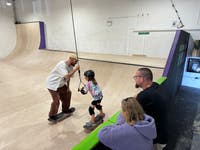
(25, 101)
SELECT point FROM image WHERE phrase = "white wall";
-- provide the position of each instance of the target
(112, 26)
(7, 31)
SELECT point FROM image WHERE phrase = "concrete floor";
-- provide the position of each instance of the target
(184, 131)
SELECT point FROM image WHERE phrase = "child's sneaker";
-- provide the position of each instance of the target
(99, 117)
(102, 115)
(89, 124)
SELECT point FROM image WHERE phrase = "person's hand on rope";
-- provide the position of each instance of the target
(82, 90)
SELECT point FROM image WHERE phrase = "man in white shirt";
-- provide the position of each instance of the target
(58, 85)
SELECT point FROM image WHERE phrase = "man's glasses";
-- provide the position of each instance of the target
(135, 77)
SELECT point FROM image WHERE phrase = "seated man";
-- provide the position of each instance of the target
(152, 103)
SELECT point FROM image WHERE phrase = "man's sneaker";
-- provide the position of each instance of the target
(70, 110)
(52, 118)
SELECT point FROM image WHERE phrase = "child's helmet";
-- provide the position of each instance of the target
(89, 74)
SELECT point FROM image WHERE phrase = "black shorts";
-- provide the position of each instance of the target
(96, 102)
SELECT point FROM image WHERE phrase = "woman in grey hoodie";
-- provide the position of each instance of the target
(134, 130)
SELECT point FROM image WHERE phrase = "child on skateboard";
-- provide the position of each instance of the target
(97, 96)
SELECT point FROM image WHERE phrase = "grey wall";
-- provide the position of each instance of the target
(7, 30)
(112, 26)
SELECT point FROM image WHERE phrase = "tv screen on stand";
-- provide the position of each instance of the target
(193, 65)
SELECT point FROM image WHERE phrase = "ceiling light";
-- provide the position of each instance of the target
(8, 3)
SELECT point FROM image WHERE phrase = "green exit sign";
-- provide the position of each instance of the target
(143, 33)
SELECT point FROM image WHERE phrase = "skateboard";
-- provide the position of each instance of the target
(90, 127)
(60, 116)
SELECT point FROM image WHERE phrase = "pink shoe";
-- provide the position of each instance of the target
(102, 115)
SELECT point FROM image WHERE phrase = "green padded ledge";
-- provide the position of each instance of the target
(92, 139)
(161, 80)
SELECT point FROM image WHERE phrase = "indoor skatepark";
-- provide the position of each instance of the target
(25, 100)
(24, 110)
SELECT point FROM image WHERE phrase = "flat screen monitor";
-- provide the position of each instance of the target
(193, 65)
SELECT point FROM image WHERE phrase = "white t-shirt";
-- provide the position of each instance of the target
(56, 78)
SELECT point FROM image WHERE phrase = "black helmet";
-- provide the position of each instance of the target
(89, 74)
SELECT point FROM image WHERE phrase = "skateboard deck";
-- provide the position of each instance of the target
(60, 116)
(98, 120)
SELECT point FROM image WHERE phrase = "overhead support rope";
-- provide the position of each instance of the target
(14, 11)
(180, 25)
(75, 41)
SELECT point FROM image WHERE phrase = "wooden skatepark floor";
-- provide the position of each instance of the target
(25, 101)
